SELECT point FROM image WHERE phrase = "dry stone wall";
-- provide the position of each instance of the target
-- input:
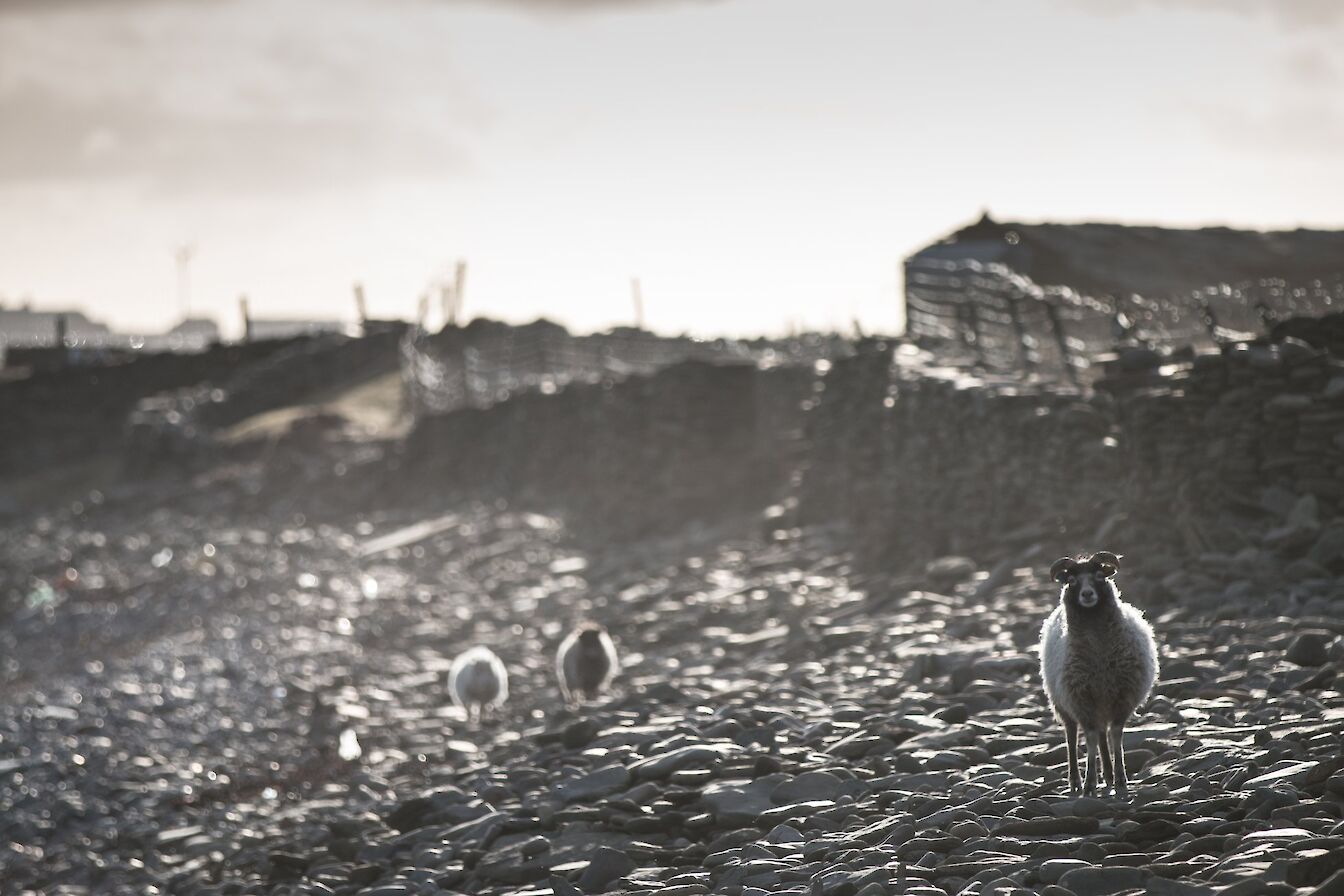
(77, 411)
(1226, 469)
(692, 441)
(1223, 470)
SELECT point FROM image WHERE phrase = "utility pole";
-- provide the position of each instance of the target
(447, 303)
(361, 309)
(422, 310)
(247, 318)
(637, 296)
(183, 254)
(459, 290)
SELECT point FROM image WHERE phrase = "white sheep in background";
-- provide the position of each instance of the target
(1098, 662)
(586, 662)
(477, 681)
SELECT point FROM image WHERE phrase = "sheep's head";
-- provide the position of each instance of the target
(590, 635)
(1087, 582)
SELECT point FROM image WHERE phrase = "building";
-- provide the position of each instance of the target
(1062, 296)
(25, 327)
(287, 328)
(1120, 259)
(195, 334)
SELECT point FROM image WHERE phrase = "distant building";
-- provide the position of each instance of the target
(191, 335)
(25, 327)
(1120, 259)
(1060, 296)
(282, 328)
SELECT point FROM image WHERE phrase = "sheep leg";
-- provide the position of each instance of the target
(1071, 739)
(1090, 781)
(1107, 770)
(1121, 779)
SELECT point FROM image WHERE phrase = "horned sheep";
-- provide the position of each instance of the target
(1099, 663)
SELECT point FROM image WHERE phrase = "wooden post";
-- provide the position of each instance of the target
(247, 318)
(1020, 329)
(974, 335)
(1267, 316)
(361, 309)
(1057, 326)
(459, 289)
(62, 350)
(1208, 316)
(637, 296)
(448, 303)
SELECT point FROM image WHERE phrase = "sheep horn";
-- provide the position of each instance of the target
(1107, 558)
(1060, 569)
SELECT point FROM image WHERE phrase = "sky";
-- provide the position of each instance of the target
(759, 165)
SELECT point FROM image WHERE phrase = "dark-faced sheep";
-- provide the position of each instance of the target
(1098, 662)
(477, 681)
(586, 662)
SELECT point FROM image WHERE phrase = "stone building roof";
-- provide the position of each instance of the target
(1119, 259)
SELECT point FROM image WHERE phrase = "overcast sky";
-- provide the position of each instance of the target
(757, 163)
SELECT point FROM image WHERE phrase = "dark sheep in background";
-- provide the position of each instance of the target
(586, 662)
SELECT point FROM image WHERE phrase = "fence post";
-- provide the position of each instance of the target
(1207, 315)
(361, 309)
(637, 296)
(62, 330)
(459, 290)
(247, 318)
(976, 337)
(1021, 330)
(1057, 326)
(1267, 316)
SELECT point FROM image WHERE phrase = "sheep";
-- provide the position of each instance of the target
(477, 681)
(586, 662)
(1098, 662)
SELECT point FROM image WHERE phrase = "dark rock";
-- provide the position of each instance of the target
(605, 866)
(1310, 648)
(1102, 881)
(808, 786)
(595, 785)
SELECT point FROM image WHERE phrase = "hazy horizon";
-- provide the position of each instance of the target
(758, 164)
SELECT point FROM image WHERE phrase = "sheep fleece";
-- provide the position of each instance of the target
(1100, 672)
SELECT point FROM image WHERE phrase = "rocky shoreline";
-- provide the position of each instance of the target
(786, 722)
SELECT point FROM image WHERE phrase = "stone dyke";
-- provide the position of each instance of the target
(1221, 469)
(78, 411)
(692, 441)
(175, 426)
(1234, 459)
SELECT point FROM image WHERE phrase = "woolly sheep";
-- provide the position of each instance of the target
(1098, 662)
(586, 662)
(477, 681)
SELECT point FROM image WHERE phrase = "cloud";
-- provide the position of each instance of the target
(1293, 13)
(539, 6)
(1297, 129)
(53, 137)
(1313, 67)
(587, 5)
(236, 95)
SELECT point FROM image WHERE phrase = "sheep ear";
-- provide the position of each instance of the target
(1063, 568)
(1107, 563)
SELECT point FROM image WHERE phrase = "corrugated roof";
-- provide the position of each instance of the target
(1119, 259)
